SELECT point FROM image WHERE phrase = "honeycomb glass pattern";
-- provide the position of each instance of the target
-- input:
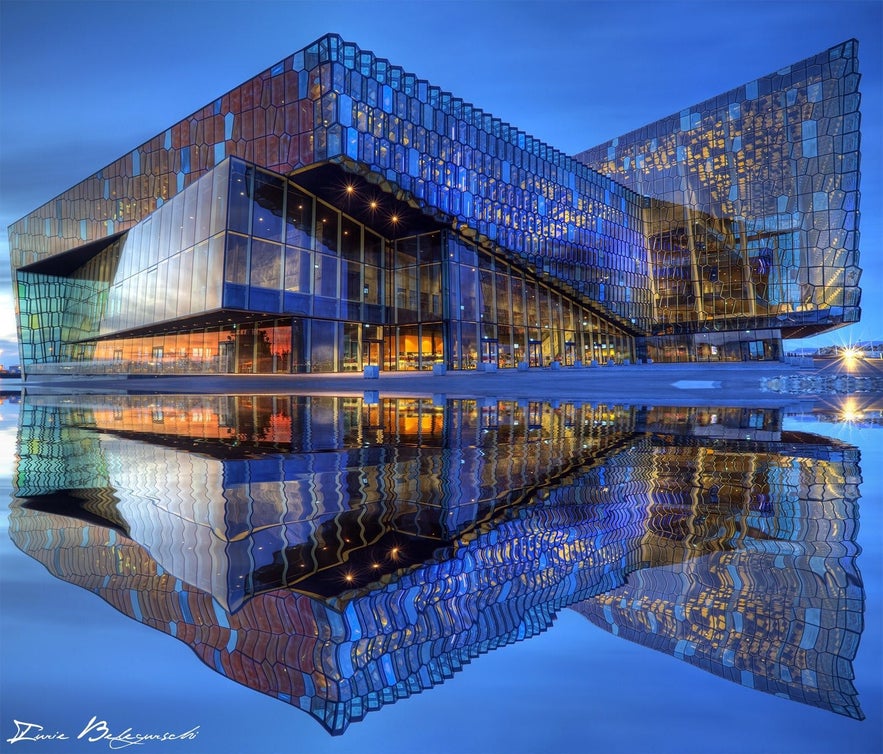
(334, 103)
(341, 554)
(752, 219)
(739, 215)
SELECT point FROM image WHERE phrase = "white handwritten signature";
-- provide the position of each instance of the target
(95, 731)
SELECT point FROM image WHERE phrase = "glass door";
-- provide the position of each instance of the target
(490, 351)
(372, 353)
(535, 353)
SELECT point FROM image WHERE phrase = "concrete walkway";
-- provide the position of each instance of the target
(731, 384)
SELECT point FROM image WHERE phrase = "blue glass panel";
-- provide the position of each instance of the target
(352, 143)
(235, 296)
(345, 110)
(265, 300)
(297, 303)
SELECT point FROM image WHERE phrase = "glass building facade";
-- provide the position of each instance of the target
(336, 212)
(751, 215)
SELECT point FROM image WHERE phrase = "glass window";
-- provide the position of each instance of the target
(185, 269)
(199, 277)
(325, 276)
(406, 252)
(220, 179)
(327, 222)
(373, 248)
(504, 313)
(148, 294)
(298, 218)
(188, 230)
(322, 345)
(236, 266)
(406, 294)
(214, 267)
(164, 220)
(171, 289)
(266, 264)
(240, 197)
(351, 281)
(161, 302)
(486, 279)
(350, 240)
(430, 292)
(176, 228)
(468, 293)
(149, 245)
(371, 286)
(351, 347)
(298, 270)
(554, 310)
(533, 310)
(203, 207)
(517, 301)
(431, 247)
(468, 346)
(266, 220)
(544, 315)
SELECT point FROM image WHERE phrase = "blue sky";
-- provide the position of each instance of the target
(81, 83)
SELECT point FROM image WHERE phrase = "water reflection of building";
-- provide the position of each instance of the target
(754, 576)
(417, 535)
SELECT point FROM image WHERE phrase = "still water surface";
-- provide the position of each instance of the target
(355, 574)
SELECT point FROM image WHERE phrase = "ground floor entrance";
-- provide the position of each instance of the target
(286, 345)
(742, 345)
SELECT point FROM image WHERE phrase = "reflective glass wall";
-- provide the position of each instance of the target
(268, 278)
(737, 214)
(334, 103)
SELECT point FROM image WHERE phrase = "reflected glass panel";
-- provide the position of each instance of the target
(350, 240)
(298, 218)
(214, 273)
(240, 197)
(267, 218)
(373, 248)
(266, 264)
(184, 283)
(407, 536)
(236, 261)
(298, 270)
(327, 222)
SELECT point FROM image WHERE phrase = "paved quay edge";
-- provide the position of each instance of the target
(736, 384)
